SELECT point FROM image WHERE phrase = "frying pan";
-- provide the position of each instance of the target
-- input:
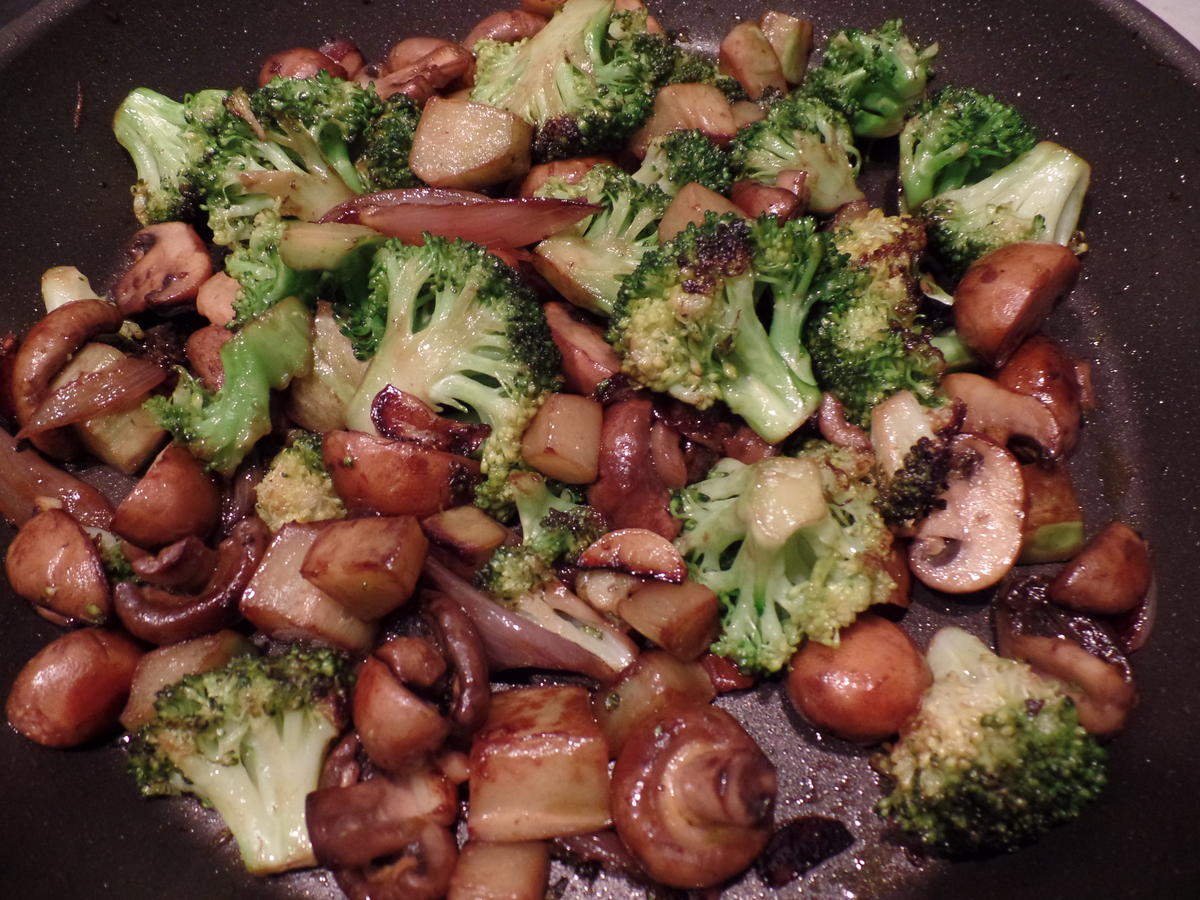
(1101, 76)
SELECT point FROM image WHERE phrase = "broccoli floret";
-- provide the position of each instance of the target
(864, 335)
(717, 314)
(792, 546)
(265, 355)
(462, 333)
(595, 255)
(955, 138)
(994, 757)
(167, 150)
(683, 157)
(263, 277)
(913, 451)
(586, 81)
(555, 526)
(297, 486)
(691, 67)
(804, 134)
(873, 77)
(249, 739)
(1037, 197)
(382, 161)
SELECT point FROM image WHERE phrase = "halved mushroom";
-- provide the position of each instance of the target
(755, 199)
(1074, 649)
(54, 565)
(1110, 575)
(1006, 295)
(638, 552)
(587, 358)
(974, 541)
(1002, 415)
(507, 26)
(1041, 369)
(345, 53)
(298, 62)
(747, 55)
(396, 725)
(693, 796)
(169, 263)
(174, 499)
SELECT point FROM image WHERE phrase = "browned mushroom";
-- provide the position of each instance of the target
(162, 617)
(345, 53)
(54, 565)
(757, 199)
(421, 869)
(434, 61)
(693, 796)
(1075, 649)
(185, 565)
(470, 692)
(169, 262)
(72, 691)
(507, 26)
(587, 357)
(1054, 522)
(52, 341)
(298, 62)
(394, 723)
(865, 688)
(29, 484)
(1006, 295)
(1110, 575)
(636, 551)
(656, 684)
(972, 543)
(1005, 416)
(203, 350)
(174, 499)
(1041, 369)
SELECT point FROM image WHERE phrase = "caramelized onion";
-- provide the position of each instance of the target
(113, 389)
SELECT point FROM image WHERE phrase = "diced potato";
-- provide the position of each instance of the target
(485, 871)
(682, 107)
(468, 531)
(746, 55)
(585, 272)
(656, 682)
(792, 41)
(539, 767)
(459, 144)
(690, 205)
(370, 565)
(284, 605)
(165, 666)
(125, 440)
(563, 440)
(680, 618)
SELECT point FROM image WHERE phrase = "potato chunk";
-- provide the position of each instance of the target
(459, 144)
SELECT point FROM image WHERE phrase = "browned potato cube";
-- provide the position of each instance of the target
(690, 205)
(563, 440)
(681, 107)
(486, 871)
(468, 531)
(370, 566)
(747, 55)
(792, 41)
(539, 767)
(680, 618)
(281, 603)
(459, 144)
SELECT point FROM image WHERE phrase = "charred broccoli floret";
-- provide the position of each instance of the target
(586, 81)
(873, 77)
(792, 546)
(994, 757)
(955, 138)
(249, 739)
(683, 157)
(864, 334)
(297, 486)
(461, 332)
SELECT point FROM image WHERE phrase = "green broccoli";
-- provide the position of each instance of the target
(168, 151)
(717, 314)
(872, 77)
(263, 277)
(683, 157)
(588, 261)
(297, 486)
(791, 545)
(249, 739)
(460, 331)
(586, 81)
(265, 355)
(691, 67)
(1037, 197)
(801, 133)
(555, 527)
(994, 757)
(864, 333)
(955, 138)
(382, 160)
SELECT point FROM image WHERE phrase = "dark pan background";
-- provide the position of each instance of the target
(1102, 76)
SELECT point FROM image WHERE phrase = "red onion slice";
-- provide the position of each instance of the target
(112, 389)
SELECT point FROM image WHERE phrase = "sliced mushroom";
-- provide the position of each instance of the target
(298, 62)
(169, 263)
(28, 484)
(419, 870)
(185, 565)
(396, 725)
(174, 499)
(974, 541)
(1041, 369)
(1110, 575)
(693, 796)
(54, 565)
(1054, 523)
(203, 350)
(47, 347)
(1074, 649)
(1003, 415)
(638, 552)
(587, 358)
(1006, 295)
